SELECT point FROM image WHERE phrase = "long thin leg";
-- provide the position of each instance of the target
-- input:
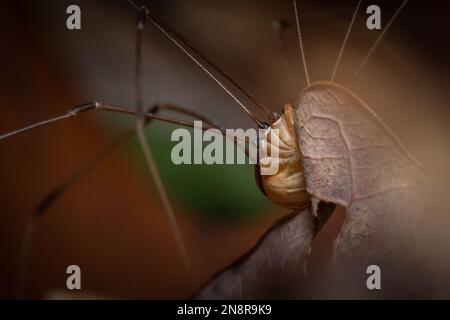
(377, 41)
(55, 194)
(151, 164)
(198, 58)
(345, 42)
(300, 41)
(82, 108)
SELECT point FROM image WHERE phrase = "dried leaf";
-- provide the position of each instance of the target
(351, 158)
(274, 267)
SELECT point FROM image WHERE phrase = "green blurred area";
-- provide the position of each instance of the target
(211, 192)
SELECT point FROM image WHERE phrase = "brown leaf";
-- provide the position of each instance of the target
(351, 158)
(274, 267)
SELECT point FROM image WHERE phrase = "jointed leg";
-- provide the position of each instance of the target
(186, 48)
(109, 108)
(56, 193)
(151, 164)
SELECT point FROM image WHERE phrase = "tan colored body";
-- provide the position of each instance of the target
(288, 186)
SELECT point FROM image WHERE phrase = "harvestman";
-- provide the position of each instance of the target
(277, 187)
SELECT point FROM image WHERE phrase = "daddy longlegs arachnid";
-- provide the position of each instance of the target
(144, 115)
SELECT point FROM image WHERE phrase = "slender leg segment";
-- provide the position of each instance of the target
(55, 194)
(198, 58)
(151, 164)
(377, 41)
(300, 42)
(76, 111)
(333, 75)
(205, 65)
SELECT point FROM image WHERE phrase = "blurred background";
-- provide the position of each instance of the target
(111, 222)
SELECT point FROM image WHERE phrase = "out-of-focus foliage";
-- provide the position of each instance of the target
(225, 192)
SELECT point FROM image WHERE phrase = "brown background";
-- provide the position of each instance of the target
(111, 222)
